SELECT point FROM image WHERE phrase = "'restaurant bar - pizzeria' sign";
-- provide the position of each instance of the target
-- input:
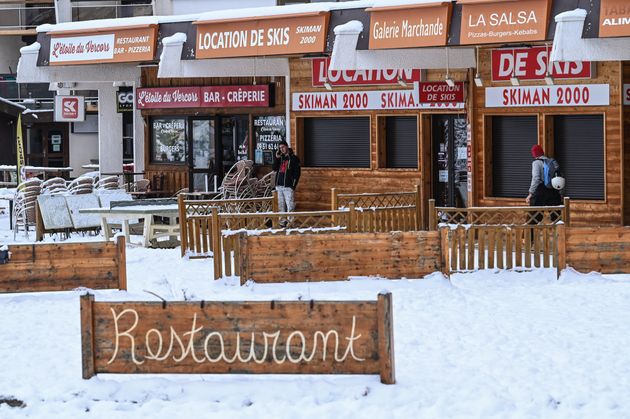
(102, 46)
(203, 97)
(491, 22)
(270, 35)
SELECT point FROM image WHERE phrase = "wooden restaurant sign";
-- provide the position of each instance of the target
(269, 35)
(203, 97)
(533, 64)
(323, 74)
(488, 22)
(286, 337)
(102, 46)
(407, 26)
(614, 18)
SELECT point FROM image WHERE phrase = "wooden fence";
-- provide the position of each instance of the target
(64, 266)
(335, 257)
(383, 212)
(195, 234)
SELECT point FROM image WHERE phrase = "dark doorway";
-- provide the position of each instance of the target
(47, 145)
(450, 178)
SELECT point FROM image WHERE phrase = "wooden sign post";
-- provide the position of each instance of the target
(277, 337)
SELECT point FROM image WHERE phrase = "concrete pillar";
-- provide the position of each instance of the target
(162, 7)
(109, 131)
(63, 11)
(138, 135)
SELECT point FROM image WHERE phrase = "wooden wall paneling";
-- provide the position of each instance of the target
(607, 212)
(626, 144)
(601, 249)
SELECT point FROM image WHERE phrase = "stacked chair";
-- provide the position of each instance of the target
(54, 186)
(24, 205)
(81, 185)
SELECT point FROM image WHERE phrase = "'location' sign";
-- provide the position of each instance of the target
(323, 74)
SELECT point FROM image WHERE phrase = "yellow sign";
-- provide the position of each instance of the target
(20, 151)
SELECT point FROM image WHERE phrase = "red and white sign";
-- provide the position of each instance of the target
(364, 100)
(626, 94)
(441, 92)
(203, 97)
(69, 108)
(323, 74)
(532, 63)
(563, 95)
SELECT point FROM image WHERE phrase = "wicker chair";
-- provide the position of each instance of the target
(108, 183)
(236, 181)
(54, 186)
(265, 185)
(81, 185)
(25, 205)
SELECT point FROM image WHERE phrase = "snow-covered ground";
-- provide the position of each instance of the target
(482, 345)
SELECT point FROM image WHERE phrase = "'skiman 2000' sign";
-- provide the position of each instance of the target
(287, 337)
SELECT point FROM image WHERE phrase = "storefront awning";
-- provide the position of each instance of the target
(172, 65)
(345, 55)
(568, 44)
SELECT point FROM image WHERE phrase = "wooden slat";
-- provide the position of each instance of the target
(491, 248)
(537, 240)
(518, 245)
(528, 247)
(509, 248)
(546, 247)
(482, 237)
(471, 249)
(499, 241)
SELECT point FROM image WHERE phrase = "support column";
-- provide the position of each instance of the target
(63, 11)
(110, 146)
(138, 135)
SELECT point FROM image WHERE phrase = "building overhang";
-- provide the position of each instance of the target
(568, 44)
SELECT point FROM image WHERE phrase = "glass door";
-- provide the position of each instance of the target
(234, 140)
(203, 156)
(449, 160)
(47, 145)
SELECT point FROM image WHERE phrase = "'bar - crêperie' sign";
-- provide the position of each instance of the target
(441, 92)
(409, 26)
(323, 74)
(503, 21)
(532, 63)
(614, 18)
(272, 35)
(241, 337)
(203, 97)
(103, 46)
(540, 96)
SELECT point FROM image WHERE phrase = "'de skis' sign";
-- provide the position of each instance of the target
(288, 337)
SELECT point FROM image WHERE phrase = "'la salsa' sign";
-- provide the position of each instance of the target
(340, 337)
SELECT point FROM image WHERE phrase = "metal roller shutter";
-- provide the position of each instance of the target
(512, 141)
(402, 141)
(579, 149)
(337, 142)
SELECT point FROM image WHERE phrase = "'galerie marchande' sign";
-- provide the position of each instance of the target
(240, 337)
(271, 35)
(111, 46)
(614, 18)
(506, 21)
(409, 26)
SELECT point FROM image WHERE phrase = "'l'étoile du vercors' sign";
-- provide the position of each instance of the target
(357, 100)
(102, 46)
(408, 26)
(286, 337)
(532, 64)
(203, 97)
(322, 74)
(268, 35)
(614, 18)
(503, 21)
(539, 96)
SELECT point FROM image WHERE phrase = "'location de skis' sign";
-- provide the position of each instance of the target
(286, 337)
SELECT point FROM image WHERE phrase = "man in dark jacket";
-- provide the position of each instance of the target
(287, 168)
(539, 194)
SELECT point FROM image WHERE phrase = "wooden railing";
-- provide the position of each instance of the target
(195, 236)
(499, 215)
(222, 231)
(382, 212)
(499, 247)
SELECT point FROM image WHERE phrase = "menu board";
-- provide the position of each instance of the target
(268, 132)
(168, 140)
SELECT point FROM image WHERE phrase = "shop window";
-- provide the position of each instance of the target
(401, 142)
(512, 140)
(337, 142)
(579, 148)
(168, 140)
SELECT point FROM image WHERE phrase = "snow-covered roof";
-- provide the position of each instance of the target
(250, 12)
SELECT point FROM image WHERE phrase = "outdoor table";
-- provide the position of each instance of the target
(145, 212)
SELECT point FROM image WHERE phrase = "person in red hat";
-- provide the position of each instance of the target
(539, 194)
